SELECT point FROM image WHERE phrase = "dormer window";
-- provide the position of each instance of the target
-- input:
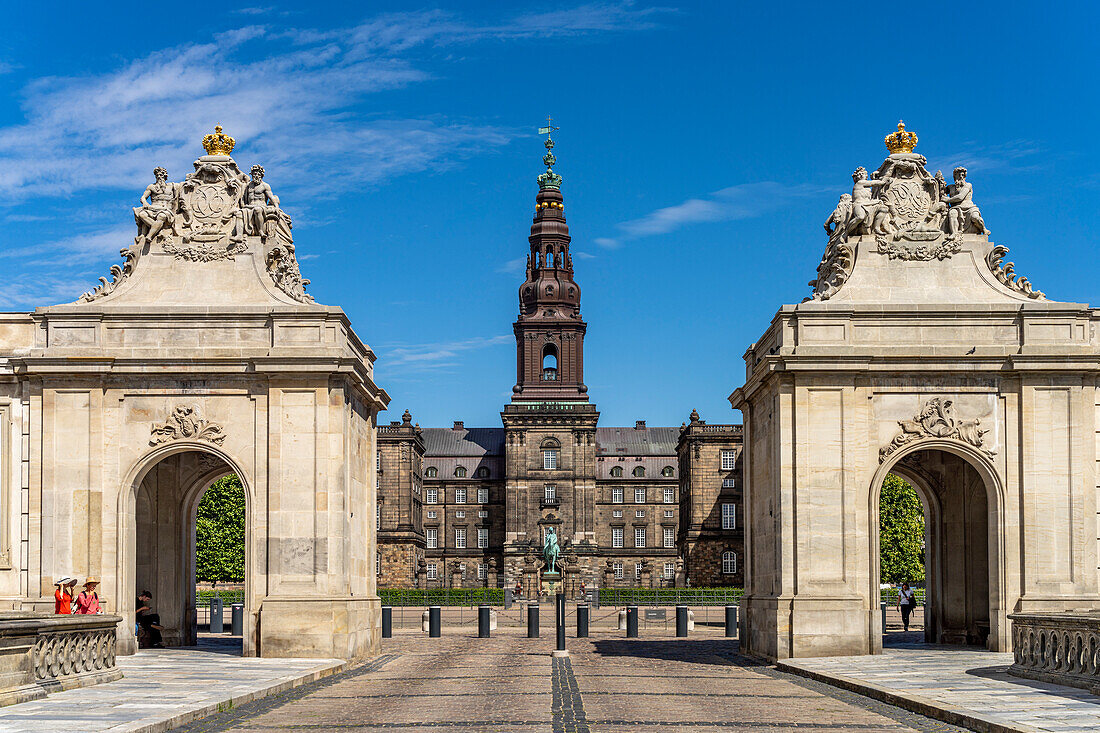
(460, 472)
(431, 472)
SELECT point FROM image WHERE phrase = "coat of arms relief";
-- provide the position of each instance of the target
(909, 213)
(209, 216)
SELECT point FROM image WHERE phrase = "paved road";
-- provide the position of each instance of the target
(609, 684)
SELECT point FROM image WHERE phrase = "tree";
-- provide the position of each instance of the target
(219, 532)
(900, 532)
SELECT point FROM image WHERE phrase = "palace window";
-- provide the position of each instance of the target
(729, 516)
(639, 536)
(460, 514)
(460, 538)
(378, 461)
(432, 514)
(729, 460)
(669, 513)
(482, 496)
(617, 472)
(431, 538)
(550, 459)
(617, 513)
(618, 568)
(431, 472)
(482, 514)
(667, 471)
(482, 537)
(460, 472)
(462, 570)
(378, 515)
(637, 571)
(482, 571)
(639, 472)
(549, 493)
(431, 496)
(482, 472)
(670, 496)
(616, 536)
(640, 514)
(729, 483)
(617, 495)
(460, 496)
(639, 495)
(670, 537)
(670, 570)
(729, 562)
(433, 571)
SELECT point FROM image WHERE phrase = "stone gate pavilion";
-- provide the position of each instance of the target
(920, 353)
(201, 355)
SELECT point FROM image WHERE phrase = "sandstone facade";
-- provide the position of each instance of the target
(202, 355)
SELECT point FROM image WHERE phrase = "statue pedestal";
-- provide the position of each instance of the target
(551, 583)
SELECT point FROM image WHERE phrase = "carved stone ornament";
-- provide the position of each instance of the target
(911, 214)
(1006, 274)
(118, 274)
(282, 266)
(186, 423)
(936, 420)
(204, 252)
(834, 270)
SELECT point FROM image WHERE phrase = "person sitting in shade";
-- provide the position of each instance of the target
(63, 596)
(88, 600)
(149, 622)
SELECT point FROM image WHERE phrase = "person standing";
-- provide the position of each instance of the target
(88, 600)
(906, 601)
(63, 596)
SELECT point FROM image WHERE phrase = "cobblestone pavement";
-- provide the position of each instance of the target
(966, 680)
(608, 685)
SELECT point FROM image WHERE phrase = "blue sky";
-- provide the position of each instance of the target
(701, 144)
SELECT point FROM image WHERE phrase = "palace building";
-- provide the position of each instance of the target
(631, 506)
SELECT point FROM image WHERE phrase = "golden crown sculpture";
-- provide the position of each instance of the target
(217, 143)
(901, 141)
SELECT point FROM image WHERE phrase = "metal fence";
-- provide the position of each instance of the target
(889, 596)
(670, 596)
(204, 596)
(441, 596)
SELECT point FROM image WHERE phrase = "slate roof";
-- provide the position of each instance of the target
(652, 441)
(464, 442)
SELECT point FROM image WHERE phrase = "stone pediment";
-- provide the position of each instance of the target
(217, 238)
(904, 235)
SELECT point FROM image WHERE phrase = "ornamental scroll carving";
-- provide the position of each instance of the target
(118, 274)
(1006, 274)
(186, 423)
(282, 266)
(936, 419)
(60, 655)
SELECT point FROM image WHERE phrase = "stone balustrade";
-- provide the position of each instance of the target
(1062, 648)
(42, 653)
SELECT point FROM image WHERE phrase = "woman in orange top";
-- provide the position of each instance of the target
(63, 596)
(88, 600)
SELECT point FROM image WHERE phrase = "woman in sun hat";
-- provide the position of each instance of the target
(63, 596)
(88, 600)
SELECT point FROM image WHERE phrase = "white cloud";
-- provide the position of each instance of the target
(424, 357)
(513, 266)
(742, 201)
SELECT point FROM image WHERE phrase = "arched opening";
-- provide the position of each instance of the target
(161, 513)
(959, 526)
(550, 363)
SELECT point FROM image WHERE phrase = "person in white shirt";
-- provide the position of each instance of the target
(907, 600)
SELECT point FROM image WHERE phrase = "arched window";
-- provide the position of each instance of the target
(639, 472)
(729, 562)
(431, 472)
(617, 472)
(550, 363)
(483, 472)
(460, 472)
(667, 471)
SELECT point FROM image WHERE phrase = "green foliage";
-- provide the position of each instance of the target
(441, 596)
(219, 533)
(670, 596)
(900, 532)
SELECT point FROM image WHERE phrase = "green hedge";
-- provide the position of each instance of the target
(441, 596)
(670, 596)
(205, 595)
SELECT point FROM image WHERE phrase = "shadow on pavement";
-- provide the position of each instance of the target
(697, 651)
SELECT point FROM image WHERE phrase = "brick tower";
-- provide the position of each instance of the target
(550, 427)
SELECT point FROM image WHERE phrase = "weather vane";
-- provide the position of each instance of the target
(549, 127)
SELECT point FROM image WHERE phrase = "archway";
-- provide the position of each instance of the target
(962, 530)
(160, 509)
